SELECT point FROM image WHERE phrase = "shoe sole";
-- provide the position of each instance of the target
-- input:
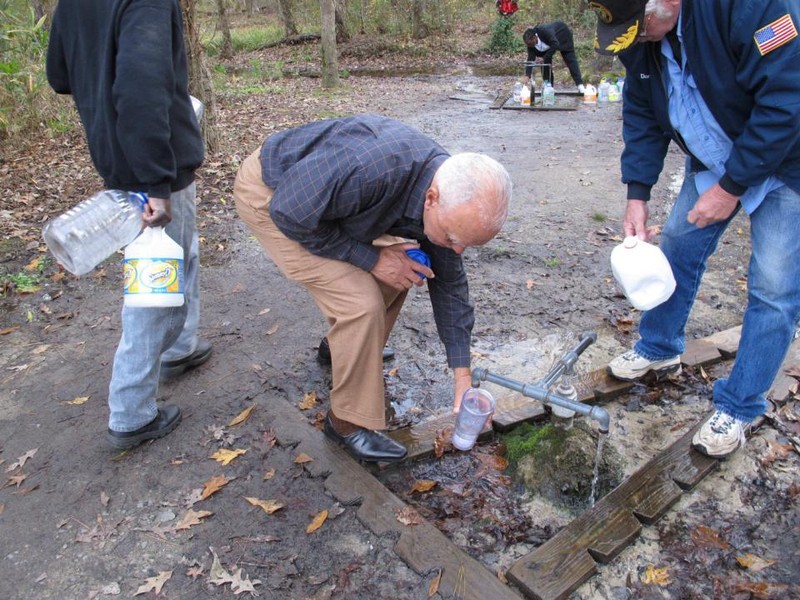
(659, 373)
(133, 441)
(702, 449)
(171, 372)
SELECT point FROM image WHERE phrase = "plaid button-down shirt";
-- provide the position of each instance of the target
(339, 184)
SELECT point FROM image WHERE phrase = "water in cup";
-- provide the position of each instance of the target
(477, 407)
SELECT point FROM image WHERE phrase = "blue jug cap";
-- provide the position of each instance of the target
(421, 257)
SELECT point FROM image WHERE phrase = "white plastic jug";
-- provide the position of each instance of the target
(153, 271)
(643, 273)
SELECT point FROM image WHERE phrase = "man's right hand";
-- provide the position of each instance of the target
(634, 223)
(397, 270)
(157, 212)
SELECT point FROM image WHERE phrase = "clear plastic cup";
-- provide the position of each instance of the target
(477, 407)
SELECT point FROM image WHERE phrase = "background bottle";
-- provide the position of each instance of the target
(516, 94)
(602, 91)
(548, 94)
(90, 232)
(589, 94)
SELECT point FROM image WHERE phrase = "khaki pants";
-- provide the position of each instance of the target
(359, 309)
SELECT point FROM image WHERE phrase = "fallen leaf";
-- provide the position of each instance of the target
(15, 480)
(308, 401)
(422, 485)
(104, 498)
(273, 329)
(264, 311)
(705, 537)
(225, 456)
(530, 283)
(269, 506)
(78, 401)
(154, 583)
(317, 521)
(268, 474)
(40, 349)
(213, 485)
(192, 517)
(8, 330)
(2, 508)
(242, 416)
(194, 572)
(763, 590)
(393, 372)
(433, 588)
(656, 576)
(240, 583)
(303, 458)
(34, 264)
(754, 563)
(408, 516)
(20, 462)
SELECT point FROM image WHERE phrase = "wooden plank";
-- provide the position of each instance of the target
(419, 439)
(500, 101)
(784, 384)
(526, 575)
(727, 342)
(652, 501)
(699, 353)
(607, 387)
(513, 408)
(539, 108)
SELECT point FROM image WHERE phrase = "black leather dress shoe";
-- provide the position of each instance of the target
(167, 419)
(170, 369)
(367, 445)
(324, 352)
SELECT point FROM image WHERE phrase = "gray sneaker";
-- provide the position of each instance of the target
(632, 365)
(721, 435)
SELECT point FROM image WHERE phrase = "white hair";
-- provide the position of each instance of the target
(472, 177)
(658, 8)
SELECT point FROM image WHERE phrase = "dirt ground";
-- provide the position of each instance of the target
(79, 521)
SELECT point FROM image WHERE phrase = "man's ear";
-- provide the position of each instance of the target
(432, 196)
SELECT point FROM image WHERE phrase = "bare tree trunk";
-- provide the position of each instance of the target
(42, 8)
(199, 75)
(250, 6)
(340, 11)
(418, 28)
(330, 67)
(225, 27)
(287, 16)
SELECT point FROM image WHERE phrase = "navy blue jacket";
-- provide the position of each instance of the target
(754, 98)
(124, 63)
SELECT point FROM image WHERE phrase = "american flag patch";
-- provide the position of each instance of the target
(775, 34)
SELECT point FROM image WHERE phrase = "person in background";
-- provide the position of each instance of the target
(332, 202)
(125, 65)
(543, 41)
(720, 80)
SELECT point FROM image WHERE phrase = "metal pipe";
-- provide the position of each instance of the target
(566, 362)
(541, 394)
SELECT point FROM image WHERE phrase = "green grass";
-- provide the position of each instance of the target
(599, 217)
(244, 39)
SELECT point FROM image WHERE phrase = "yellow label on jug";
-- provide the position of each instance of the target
(153, 275)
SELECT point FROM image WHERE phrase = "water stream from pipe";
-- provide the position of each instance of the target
(601, 443)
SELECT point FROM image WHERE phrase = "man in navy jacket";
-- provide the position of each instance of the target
(720, 79)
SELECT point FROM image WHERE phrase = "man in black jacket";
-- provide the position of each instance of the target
(125, 65)
(543, 41)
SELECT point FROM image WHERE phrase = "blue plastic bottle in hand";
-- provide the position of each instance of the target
(421, 257)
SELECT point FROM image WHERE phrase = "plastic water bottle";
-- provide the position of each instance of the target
(548, 94)
(516, 94)
(643, 273)
(602, 92)
(613, 93)
(153, 270)
(525, 96)
(589, 94)
(90, 232)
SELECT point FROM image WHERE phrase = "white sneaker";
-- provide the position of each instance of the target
(632, 365)
(721, 435)
(581, 89)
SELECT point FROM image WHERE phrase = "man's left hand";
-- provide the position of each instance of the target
(713, 206)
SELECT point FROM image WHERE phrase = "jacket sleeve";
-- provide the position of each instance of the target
(56, 63)
(645, 141)
(771, 131)
(143, 89)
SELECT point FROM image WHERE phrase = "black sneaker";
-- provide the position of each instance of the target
(170, 369)
(167, 419)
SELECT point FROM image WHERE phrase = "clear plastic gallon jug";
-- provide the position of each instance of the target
(643, 273)
(94, 229)
(153, 272)
(548, 94)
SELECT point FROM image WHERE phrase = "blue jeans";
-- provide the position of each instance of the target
(150, 334)
(773, 297)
